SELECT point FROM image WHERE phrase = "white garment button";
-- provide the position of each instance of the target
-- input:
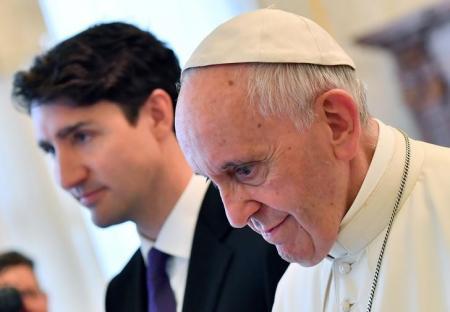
(345, 268)
(346, 306)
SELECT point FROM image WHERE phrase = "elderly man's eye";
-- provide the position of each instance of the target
(250, 173)
(244, 171)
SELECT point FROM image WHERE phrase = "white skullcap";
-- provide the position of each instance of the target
(268, 36)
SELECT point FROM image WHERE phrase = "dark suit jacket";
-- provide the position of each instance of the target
(230, 270)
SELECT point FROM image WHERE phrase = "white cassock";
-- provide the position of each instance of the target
(415, 271)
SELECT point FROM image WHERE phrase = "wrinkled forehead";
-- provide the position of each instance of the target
(211, 108)
(224, 76)
(207, 93)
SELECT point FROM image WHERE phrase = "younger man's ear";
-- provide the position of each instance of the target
(341, 115)
(158, 109)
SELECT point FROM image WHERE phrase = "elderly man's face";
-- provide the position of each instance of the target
(285, 184)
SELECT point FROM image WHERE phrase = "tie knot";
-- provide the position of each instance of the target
(157, 263)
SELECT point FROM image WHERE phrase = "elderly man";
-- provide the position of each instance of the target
(271, 110)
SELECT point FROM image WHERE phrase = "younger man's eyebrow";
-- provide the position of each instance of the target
(64, 132)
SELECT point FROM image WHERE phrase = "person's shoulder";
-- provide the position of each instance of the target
(432, 160)
(126, 290)
(212, 213)
(435, 153)
(134, 268)
(248, 238)
(250, 247)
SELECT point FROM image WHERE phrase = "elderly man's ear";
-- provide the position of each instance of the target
(340, 113)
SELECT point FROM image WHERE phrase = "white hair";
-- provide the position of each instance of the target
(287, 89)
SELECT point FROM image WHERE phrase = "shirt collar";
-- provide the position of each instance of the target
(177, 232)
(370, 212)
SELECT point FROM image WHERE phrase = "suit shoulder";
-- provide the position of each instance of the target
(126, 291)
(251, 244)
(134, 266)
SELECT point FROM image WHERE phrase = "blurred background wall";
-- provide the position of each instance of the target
(75, 260)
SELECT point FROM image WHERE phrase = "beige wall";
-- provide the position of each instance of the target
(34, 217)
(21, 29)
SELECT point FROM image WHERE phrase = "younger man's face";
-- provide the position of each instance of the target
(107, 164)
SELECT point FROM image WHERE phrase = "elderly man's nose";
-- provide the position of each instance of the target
(238, 207)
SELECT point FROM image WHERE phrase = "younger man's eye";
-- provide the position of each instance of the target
(81, 137)
(47, 148)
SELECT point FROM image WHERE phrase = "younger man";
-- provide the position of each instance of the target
(102, 105)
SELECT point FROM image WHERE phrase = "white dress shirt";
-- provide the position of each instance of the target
(177, 234)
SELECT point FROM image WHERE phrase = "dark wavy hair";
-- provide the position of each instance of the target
(116, 61)
(13, 258)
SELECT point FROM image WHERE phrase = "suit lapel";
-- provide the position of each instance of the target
(128, 290)
(209, 256)
(136, 291)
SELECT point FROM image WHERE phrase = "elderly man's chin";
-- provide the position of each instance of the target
(295, 256)
(288, 253)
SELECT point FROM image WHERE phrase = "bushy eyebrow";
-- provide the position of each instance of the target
(229, 164)
(63, 133)
(233, 164)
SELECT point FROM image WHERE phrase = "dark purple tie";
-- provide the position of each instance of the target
(160, 295)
